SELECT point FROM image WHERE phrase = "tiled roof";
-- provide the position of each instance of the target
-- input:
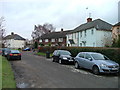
(14, 36)
(118, 24)
(98, 24)
(54, 35)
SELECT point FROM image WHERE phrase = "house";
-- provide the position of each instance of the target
(14, 41)
(95, 33)
(116, 31)
(53, 38)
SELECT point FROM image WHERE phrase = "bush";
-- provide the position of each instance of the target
(112, 53)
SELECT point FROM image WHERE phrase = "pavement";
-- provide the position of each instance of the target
(38, 72)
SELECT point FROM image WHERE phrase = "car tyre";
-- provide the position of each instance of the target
(76, 65)
(95, 70)
(53, 60)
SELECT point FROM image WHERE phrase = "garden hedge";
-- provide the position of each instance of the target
(112, 53)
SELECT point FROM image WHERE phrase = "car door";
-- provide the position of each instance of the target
(80, 59)
(88, 62)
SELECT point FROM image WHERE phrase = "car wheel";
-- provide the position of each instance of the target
(76, 65)
(60, 61)
(95, 70)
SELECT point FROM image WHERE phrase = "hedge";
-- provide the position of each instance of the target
(112, 53)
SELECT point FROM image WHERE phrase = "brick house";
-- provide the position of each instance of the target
(116, 31)
(53, 38)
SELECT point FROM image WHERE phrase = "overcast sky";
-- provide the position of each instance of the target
(21, 15)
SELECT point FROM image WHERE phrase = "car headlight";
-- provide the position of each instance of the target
(65, 58)
(103, 65)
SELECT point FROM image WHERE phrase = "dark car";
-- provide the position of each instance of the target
(14, 54)
(27, 49)
(5, 51)
(62, 56)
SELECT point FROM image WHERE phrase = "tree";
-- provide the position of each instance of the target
(42, 29)
(116, 43)
(2, 31)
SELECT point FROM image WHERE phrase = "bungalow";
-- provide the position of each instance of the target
(14, 41)
(95, 33)
(53, 38)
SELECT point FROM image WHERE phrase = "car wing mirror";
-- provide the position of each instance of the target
(90, 59)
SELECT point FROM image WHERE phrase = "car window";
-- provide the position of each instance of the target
(99, 57)
(54, 53)
(15, 51)
(87, 56)
(81, 55)
(65, 53)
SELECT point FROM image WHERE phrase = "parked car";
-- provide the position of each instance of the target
(27, 49)
(14, 54)
(62, 56)
(96, 62)
(5, 51)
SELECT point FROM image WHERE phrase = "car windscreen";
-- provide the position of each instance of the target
(99, 57)
(15, 51)
(65, 53)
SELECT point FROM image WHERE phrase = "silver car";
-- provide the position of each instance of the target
(96, 62)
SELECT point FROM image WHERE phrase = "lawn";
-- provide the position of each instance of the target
(43, 54)
(8, 80)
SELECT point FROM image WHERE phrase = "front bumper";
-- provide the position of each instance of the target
(109, 70)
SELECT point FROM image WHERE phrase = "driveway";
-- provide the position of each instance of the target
(38, 72)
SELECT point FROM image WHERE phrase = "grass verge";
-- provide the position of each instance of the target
(42, 54)
(8, 80)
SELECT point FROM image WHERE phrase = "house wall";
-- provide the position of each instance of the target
(115, 32)
(11, 43)
(91, 38)
(103, 38)
(88, 40)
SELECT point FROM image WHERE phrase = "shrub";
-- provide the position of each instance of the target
(112, 53)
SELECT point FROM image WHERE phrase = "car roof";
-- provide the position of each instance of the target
(61, 50)
(90, 52)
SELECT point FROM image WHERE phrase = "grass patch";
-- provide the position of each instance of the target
(8, 80)
(43, 54)
(0, 72)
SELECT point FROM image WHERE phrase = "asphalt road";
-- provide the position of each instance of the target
(38, 72)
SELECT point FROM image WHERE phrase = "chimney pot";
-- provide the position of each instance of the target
(89, 19)
(12, 33)
(62, 29)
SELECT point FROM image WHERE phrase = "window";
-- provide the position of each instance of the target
(92, 31)
(40, 40)
(81, 55)
(87, 56)
(85, 33)
(46, 40)
(60, 39)
(53, 40)
(80, 34)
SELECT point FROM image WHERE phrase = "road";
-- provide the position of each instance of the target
(38, 72)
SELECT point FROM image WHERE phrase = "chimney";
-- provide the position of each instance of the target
(61, 29)
(12, 33)
(89, 19)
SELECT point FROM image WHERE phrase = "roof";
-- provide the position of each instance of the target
(98, 24)
(61, 34)
(15, 37)
(118, 24)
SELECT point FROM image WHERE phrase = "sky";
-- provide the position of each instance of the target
(21, 15)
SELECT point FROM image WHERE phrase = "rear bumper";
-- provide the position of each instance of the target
(15, 57)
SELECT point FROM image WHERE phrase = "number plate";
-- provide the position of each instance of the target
(15, 55)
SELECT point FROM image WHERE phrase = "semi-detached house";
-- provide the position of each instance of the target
(95, 33)
(14, 41)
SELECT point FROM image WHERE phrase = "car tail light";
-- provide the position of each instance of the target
(11, 54)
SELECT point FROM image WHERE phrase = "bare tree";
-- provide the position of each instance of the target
(42, 29)
(2, 31)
